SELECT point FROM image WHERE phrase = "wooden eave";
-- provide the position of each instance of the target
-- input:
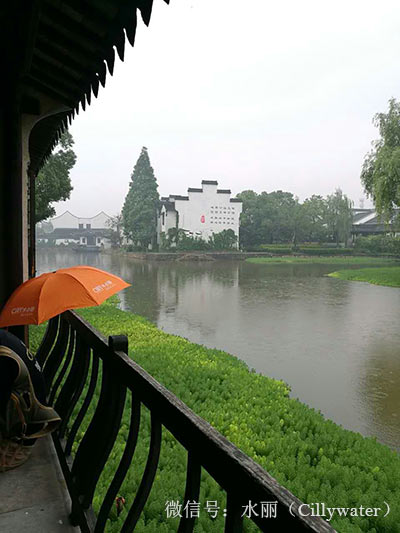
(62, 50)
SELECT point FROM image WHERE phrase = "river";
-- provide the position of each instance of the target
(336, 343)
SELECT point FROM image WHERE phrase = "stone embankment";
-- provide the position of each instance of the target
(194, 256)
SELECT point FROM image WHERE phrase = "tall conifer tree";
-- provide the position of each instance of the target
(140, 209)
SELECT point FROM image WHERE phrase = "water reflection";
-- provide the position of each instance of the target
(379, 386)
(336, 343)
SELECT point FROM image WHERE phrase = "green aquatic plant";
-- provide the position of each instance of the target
(353, 260)
(389, 277)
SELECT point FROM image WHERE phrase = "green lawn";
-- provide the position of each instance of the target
(389, 277)
(314, 458)
(334, 260)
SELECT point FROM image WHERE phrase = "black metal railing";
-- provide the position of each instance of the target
(76, 362)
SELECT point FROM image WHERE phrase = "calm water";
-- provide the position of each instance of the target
(336, 343)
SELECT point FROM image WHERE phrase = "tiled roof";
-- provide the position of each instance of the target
(178, 197)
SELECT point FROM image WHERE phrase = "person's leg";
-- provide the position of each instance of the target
(8, 374)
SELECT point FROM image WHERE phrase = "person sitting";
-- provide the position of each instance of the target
(24, 413)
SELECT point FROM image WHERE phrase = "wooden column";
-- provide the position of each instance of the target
(32, 226)
(13, 207)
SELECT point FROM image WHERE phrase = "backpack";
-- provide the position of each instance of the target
(25, 414)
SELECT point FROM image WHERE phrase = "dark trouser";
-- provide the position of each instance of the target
(8, 374)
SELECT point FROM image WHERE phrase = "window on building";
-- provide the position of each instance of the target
(88, 226)
(80, 226)
(163, 219)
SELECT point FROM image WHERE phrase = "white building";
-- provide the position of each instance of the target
(70, 229)
(202, 212)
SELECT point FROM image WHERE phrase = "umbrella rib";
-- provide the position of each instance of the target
(82, 285)
(39, 298)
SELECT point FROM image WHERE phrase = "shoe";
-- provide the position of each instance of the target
(12, 454)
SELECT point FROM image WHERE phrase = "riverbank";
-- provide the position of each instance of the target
(330, 260)
(316, 459)
(389, 277)
(255, 257)
(190, 256)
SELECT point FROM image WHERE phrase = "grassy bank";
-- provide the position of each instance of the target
(390, 277)
(314, 458)
(334, 260)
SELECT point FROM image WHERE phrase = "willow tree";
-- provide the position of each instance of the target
(140, 210)
(339, 216)
(380, 174)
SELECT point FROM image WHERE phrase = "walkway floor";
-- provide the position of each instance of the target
(33, 497)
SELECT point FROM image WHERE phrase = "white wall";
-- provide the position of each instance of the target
(66, 220)
(65, 241)
(208, 212)
(169, 219)
(100, 221)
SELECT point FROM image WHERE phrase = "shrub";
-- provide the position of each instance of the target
(224, 240)
(325, 251)
(379, 244)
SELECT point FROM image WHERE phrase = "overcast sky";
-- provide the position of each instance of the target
(260, 95)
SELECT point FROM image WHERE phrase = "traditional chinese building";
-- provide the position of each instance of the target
(368, 222)
(70, 229)
(202, 213)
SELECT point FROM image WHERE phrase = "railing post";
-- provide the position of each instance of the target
(118, 343)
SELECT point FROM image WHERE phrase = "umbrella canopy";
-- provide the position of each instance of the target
(52, 293)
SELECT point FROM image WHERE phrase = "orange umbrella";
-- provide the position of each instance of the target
(52, 293)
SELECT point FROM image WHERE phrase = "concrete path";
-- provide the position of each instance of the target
(33, 497)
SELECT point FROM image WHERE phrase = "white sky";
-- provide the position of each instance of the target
(260, 95)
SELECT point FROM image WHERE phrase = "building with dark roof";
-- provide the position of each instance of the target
(368, 222)
(70, 229)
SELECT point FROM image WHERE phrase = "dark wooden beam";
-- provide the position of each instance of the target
(32, 12)
(77, 32)
(56, 73)
(52, 57)
(82, 48)
(45, 89)
(85, 12)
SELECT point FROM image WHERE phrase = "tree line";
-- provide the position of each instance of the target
(279, 217)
